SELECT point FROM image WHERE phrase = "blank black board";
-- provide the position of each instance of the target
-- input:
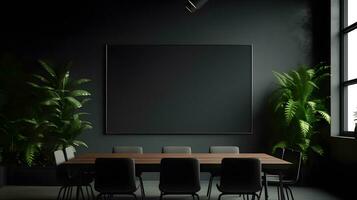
(178, 89)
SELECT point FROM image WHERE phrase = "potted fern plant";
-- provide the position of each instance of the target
(53, 119)
(300, 110)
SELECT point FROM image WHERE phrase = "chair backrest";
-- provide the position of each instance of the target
(59, 157)
(242, 174)
(113, 174)
(295, 157)
(176, 149)
(70, 152)
(180, 173)
(224, 149)
(127, 149)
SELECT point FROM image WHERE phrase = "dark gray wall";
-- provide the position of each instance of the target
(281, 32)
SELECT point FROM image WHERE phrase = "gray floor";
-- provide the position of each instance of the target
(152, 193)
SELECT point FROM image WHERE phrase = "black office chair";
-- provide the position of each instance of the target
(240, 176)
(291, 175)
(115, 176)
(132, 149)
(271, 173)
(219, 149)
(70, 178)
(179, 176)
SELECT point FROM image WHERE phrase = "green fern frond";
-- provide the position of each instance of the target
(29, 154)
(304, 127)
(290, 110)
(313, 84)
(311, 73)
(281, 79)
(325, 116)
(312, 105)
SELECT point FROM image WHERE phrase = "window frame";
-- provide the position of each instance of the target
(344, 31)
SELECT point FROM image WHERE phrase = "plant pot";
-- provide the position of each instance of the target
(31, 176)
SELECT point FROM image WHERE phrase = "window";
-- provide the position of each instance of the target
(349, 65)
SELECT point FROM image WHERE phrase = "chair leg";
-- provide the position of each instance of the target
(142, 188)
(65, 193)
(87, 191)
(77, 193)
(287, 193)
(82, 193)
(265, 187)
(278, 189)
(209, 186)
(291, 192)
(92, 192)
(198, 197)
(59, 193)
(69, 193)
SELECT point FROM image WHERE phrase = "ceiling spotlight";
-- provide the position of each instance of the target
(193, 5)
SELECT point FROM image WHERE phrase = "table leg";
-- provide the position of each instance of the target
(281, 186)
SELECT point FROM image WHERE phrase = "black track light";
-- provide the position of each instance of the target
(194, 5)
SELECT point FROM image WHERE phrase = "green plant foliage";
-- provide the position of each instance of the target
(300, 108)
(60, 101)
(47, 116)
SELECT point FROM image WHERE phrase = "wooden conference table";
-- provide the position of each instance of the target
(209, 162)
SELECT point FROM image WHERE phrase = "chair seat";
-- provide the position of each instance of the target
(179, 189)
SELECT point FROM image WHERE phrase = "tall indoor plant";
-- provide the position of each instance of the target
(40, 114)
(60, 100)
(300, 109)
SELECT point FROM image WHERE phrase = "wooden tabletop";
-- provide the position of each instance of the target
(155, 158)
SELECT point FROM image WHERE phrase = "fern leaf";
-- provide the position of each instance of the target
(281, 79)
(29, 155)
(79, 143)
(312, 105)
(313, 84)
(304, 127)
(311, 73)
(325, 116)
(290, 110)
